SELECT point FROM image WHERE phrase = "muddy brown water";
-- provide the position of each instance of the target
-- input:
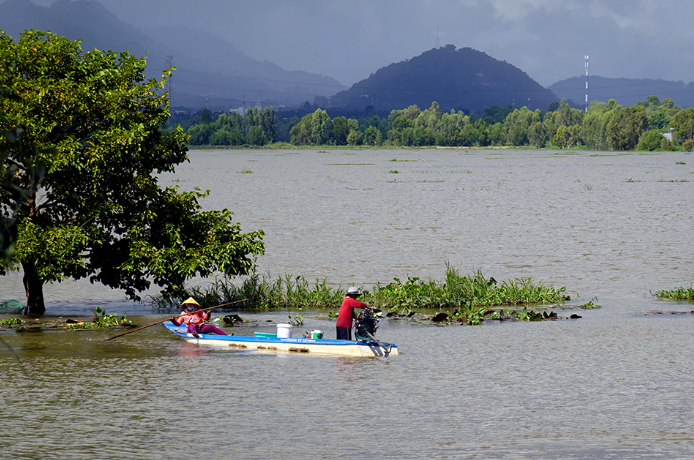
(613, 384)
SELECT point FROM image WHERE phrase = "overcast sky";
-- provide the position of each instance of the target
(349, 39)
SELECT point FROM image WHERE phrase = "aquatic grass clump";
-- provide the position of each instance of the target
(261, 292)
(468, 294)
(471, 296)
(11, 322)
(102, 320)
(680, 293)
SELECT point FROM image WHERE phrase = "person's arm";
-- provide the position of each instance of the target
(176, 321)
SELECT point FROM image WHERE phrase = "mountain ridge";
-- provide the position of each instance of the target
(626, 91)
(197, 81)
(461, 78)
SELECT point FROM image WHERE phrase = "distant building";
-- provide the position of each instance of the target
(668, 135)
(240, 110)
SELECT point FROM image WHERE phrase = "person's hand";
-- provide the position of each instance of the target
(172, 319)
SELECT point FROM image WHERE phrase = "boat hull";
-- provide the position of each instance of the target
(290, 345)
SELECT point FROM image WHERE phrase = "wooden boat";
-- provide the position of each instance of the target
(289, 345)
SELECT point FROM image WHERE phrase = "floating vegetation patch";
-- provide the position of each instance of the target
(432, 181)
(101, 320)
(469, 295)
(245, 171)
(349, 164)
(460, 171)
(680, 293)
(351, 188)
(590, 305)
(323, 151)
(395, 159)
(681, 163)
(394, 171)
(673, 180)
(11, 322)
(632, 180)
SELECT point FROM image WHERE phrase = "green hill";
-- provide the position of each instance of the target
(455, 78)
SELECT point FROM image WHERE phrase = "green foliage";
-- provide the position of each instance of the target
(590, 305)
(297, 320)
(687, 145)
(102, 320)
(625, 127)
(92, 121)
(11, 322)
(465, 293)
(469, 295)
(650, 140)
(680, 293)
(292, 292)
(683, 124)
(256, 127)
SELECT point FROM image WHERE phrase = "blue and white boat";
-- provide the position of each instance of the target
(288, 345)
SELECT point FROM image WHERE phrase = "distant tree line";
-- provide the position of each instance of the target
(605, 126)
(254, 127)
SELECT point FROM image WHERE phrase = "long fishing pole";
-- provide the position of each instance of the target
(163, 320)
(19, 361)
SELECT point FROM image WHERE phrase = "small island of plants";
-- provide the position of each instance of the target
(466, 297)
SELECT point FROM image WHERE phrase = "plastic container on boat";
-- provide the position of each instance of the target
(316, 334)
(264, 334)
(284, 331)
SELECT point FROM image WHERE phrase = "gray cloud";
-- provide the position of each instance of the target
(349, 39)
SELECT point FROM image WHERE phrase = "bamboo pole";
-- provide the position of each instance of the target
(159, 322)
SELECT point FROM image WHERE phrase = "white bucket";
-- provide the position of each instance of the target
(284, 331)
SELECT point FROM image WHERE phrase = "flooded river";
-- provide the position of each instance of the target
(613, 384)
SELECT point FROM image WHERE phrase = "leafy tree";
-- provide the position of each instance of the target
(320, 127)
(92, 120)
(301, 132)
(205, 117)
(625, 127)
(340, 131)
(354, 138)
(650, 140)
(369, 137)
(256, 136)
(683, 123)
(496, 134)
(536, 135)
(518, 136)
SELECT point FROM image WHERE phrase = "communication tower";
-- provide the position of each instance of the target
(586, 109)
(170, 82)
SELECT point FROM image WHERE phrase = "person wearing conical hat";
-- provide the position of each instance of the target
(195, 319)
(343, 327)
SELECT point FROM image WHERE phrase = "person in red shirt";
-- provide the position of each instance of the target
(344, 317)
(195, 319)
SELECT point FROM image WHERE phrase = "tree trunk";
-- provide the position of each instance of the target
(33, 286)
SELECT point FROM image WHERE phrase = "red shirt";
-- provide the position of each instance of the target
(196, 317)
(344, 317)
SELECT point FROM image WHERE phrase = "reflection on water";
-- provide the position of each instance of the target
(616, 383)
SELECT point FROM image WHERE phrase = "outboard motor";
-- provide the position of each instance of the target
(366, 326)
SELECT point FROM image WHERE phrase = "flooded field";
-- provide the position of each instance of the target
(613, 384)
